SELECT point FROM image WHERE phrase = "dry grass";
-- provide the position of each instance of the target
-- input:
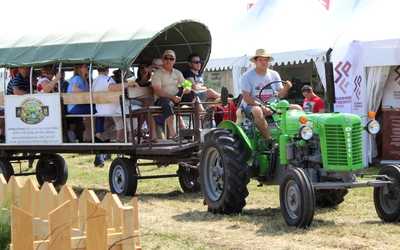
(170, 219)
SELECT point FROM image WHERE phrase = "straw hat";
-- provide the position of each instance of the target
(261, 53)
(157, 63)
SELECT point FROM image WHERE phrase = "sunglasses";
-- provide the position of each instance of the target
(306, 90)
(169, 58)
(197, 62)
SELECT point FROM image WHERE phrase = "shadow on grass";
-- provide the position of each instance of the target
(174, 195)
(269, 221)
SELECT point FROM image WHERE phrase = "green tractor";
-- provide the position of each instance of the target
(318, 157)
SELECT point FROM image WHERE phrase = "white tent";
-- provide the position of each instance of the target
(290, 29)
(362, 34)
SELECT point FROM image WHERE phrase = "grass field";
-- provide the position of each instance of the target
(171, 219)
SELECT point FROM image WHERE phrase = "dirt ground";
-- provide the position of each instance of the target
(178, 217)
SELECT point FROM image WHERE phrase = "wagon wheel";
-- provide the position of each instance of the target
(123, 178)
(51, 168)
(188, 179)
(6, 168)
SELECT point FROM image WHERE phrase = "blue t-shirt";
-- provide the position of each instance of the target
(77, 80)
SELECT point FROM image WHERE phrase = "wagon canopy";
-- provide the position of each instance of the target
(118, 46)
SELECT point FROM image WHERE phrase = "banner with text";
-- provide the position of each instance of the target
(33, 119)
(391, 116)
(350, 85)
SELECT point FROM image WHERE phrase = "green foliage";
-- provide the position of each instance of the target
(5, 229)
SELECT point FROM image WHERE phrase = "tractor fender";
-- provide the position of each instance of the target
(240, 133)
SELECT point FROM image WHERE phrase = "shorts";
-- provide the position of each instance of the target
(167, 106)
(247, 110)
(202, 95)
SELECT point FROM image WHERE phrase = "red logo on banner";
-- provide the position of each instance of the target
(342, 69)
(345, 69)
(398, 74)
(357, 89)
(325, 3)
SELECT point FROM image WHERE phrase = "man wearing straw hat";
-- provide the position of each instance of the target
(251, 84)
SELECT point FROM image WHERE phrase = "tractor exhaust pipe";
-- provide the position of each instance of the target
(330, 86)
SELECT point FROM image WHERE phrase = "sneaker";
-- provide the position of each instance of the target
(71, 137)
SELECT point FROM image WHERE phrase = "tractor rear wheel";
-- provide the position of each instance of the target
(329, 197)
(223, 175)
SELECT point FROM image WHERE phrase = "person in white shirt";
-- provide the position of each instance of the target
(103, 83)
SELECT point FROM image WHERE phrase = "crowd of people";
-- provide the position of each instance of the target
(166, 82)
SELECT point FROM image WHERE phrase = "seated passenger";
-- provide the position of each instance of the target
(46, 83)
(63, 83)
(194, 74)
(144, 77)
(104, 83)
(156, 64)
(20, 83)
(197, 78)
(144, 74)
(79, 84)
(166, 82)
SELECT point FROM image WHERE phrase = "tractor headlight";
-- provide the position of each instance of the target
(373, 127)
(306, 132)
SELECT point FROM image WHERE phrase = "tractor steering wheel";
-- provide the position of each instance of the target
(266, 99)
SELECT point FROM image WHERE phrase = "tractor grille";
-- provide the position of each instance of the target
(336, 145)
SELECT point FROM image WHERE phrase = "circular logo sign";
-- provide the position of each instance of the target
(32, 111)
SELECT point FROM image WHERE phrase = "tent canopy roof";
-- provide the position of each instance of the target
(284, 58)
(116, 46)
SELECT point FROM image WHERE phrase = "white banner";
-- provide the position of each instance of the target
(33, 119)
(216, 79)
(350, 82)
(391, 93)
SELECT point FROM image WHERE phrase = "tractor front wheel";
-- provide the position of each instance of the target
(297, 198)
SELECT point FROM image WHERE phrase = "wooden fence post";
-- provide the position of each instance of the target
(60, 227)
(96, 234)
(21, 229)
